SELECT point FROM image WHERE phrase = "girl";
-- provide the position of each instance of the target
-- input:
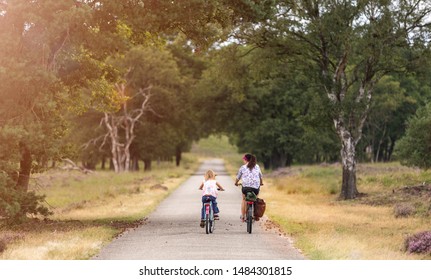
(210, 187)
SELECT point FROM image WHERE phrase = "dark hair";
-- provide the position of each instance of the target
(251, 161)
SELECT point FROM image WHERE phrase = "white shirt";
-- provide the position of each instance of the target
(210, 188)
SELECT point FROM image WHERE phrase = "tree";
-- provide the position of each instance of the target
(32, 36)
(351, 44)
(146, 93)
(54, 57)
(121, 125)
(249, 94)
(388, 113)
(414, 149)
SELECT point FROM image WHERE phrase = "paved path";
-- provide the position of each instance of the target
(172, 231)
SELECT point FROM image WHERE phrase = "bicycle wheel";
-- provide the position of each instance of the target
(249, 218)
(212, 224)
(212, 221)
(207, 224)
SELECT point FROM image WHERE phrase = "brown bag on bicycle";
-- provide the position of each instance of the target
(259, 207)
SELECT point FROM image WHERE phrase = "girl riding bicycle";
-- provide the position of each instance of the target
(251, 177)
(210, 189)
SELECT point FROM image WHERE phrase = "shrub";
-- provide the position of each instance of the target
(404, 210)
(7, 238)
(2, 246)
(15, 205)
(419, 243)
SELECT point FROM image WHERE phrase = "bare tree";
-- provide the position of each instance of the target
(121, 127)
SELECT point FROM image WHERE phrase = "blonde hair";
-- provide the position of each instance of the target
(209, 175)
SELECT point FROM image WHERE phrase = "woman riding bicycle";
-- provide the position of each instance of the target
(251, 177)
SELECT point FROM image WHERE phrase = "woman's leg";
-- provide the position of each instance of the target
(243, 207)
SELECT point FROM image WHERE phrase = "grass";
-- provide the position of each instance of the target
(90, 210)
(303, 201)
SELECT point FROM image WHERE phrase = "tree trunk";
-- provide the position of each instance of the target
(121, 129)
(135, 163)
(25, 168)
(267, 164)
(147, 164)
(127, 160)
(103, 167)
(391, 148)
(378, 155)
(289, 160)
(178, 156)
(348, 157)
(278, 160)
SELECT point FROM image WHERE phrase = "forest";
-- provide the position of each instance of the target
(121, 84)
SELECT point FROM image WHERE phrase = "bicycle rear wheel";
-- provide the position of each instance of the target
(249, 218)
(207, 224)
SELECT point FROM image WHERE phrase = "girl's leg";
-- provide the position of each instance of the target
(215, 208)
(204, 199)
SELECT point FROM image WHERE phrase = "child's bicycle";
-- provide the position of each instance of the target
(209, 217)
(250, 199)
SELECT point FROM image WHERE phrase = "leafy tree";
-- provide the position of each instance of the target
(388, 112)
(351, 45)
(32, 36)
(266, 108)
(414, 148)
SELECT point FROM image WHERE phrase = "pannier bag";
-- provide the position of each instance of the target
(259, 207)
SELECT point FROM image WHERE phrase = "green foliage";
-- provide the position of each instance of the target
(393, 104)
(268, 107)
(414, 149)
(16, 205)
(215, 146)
(268, 90)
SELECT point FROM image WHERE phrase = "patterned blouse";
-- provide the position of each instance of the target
(250, 179)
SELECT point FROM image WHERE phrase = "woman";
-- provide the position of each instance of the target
(251, 177)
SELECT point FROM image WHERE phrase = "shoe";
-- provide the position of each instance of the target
(242, 218)
(202, 224)
(256, 219)
(216, 217)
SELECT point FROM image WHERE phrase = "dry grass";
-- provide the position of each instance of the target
(89, 210)
(59, 245)
(303, 202)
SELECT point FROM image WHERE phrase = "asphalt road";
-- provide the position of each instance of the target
(172, 231)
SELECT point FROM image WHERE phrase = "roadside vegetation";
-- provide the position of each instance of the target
(89, 210)
(394, 206)
(303, 202)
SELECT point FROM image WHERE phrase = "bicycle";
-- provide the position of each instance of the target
(250, 198)
(209, 217)
(249, 213)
